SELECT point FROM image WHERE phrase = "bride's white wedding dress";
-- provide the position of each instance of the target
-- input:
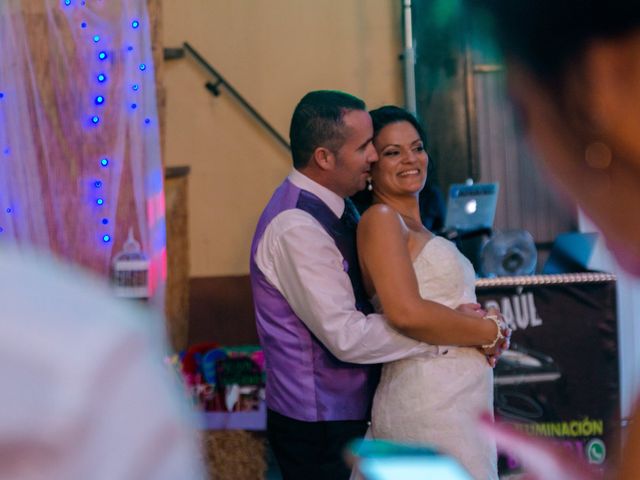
(435, 399)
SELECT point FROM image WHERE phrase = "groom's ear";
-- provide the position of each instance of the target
(323, 158)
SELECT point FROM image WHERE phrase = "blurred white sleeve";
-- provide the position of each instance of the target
(85, 391)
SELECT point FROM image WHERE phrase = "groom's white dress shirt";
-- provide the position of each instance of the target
(301, 260)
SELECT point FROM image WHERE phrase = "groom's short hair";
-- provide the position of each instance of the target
(317, 121)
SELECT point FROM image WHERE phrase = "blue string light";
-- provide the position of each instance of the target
(1, 229)
(67, 2)
(7, 151)
(1, 95)
(95, 119)
(100, 100)
(9, 210)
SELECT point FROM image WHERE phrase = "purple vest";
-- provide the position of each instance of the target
(304, 380)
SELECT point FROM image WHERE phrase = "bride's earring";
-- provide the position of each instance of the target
(369, 184)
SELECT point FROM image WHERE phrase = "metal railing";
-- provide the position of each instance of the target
(220, 81)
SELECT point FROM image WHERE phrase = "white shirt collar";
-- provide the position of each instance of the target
(334, 201)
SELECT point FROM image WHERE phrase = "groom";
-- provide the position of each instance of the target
(321, 342)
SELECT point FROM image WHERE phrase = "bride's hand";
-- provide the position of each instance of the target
(493, 354)
(474, 309)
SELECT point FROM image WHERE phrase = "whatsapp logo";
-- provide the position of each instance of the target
(596, 451)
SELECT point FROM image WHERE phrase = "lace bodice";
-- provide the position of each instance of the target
(444, 275)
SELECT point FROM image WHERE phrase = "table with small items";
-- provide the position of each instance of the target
(227, 385)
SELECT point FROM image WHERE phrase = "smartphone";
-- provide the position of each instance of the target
(386, 460)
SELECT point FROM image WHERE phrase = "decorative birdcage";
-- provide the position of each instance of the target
(130, 272)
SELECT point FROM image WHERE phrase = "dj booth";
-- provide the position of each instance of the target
(560, 380)
(561, 377)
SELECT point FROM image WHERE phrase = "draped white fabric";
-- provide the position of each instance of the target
(79, 139)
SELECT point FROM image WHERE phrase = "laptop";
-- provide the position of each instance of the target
(471, 207)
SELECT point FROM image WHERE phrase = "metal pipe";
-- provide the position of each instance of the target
(409, 59)
(472, 116)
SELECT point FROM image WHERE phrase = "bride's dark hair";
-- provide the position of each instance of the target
(381, 117)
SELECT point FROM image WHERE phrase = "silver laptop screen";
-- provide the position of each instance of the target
(471, 207)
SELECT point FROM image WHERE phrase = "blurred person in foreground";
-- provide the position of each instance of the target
(85, 393)
(574, 80)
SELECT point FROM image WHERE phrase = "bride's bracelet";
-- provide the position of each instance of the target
(499, 335)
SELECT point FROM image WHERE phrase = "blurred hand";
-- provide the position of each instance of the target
(542, 459)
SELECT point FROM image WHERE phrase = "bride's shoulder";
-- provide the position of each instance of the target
(380, 215)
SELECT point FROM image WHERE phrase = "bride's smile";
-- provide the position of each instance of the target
(402, 164)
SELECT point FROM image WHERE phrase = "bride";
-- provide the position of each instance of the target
(434, 399)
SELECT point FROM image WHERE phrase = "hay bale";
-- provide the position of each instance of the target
(235, 455)
(177, 291)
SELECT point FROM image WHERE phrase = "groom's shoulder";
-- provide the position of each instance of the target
(295, 216)
(292, 219)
